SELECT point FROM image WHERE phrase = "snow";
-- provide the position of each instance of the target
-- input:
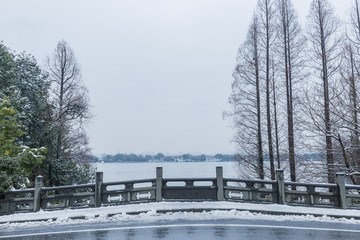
(224, 210)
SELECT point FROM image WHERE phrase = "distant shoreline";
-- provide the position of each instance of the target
(162, 161)
(161, 158)
(140, 158)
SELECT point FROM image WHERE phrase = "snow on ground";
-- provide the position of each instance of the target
(64, 216)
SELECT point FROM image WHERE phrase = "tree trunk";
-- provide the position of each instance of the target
(325, 79)
(268, 111)
(355, 128)
(276, 126)
(288, 83)
(290, 108)
(258, 106)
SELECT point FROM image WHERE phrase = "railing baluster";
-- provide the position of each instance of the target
(340, 181)
(280, 186)
(220, 183)
(159, 183)
(98, 189)
(37, 193)
(129, 187)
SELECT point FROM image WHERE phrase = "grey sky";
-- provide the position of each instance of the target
(158, 71)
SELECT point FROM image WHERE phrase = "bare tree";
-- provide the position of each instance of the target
(323, 34)
(354, 34)
(347, 102)
(267, 27)
(276, 117)
(70, 110)
(352, 75)
(291, 44)
(246, 101)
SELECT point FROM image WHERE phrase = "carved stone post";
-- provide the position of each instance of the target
(159, 180)
(220, 183)
(280, 186)
(340, 181)
(98, 189)
(39, 183)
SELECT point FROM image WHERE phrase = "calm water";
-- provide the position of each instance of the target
(131, 171)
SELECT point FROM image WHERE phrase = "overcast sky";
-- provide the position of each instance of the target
(159, 72)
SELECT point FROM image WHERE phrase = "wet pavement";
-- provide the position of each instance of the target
(200, 230)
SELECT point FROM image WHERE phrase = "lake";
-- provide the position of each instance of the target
(132, 171)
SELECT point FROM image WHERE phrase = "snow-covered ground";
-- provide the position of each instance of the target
(230, 211)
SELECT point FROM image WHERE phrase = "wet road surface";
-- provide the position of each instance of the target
(200, 230)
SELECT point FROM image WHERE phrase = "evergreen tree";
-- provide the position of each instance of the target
(33, 86)
(33, 98)
(16, 160)
(7, 79)
(41, 134)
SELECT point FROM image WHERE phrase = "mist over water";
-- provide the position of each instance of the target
(130, 171)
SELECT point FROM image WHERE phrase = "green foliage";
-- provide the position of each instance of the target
(68, 172)
(7, 78)
(10, 130)
(29, 127)
(11, 174)
(16, 160)
(33, 88)
(31, 158)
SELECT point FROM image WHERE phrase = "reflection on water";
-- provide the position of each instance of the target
(100, 235)
(190, 231)
(220, 232)
(131, 234)
(338, 235)
(281, 233)
(161, 233)
(200, 233)
(248, 233)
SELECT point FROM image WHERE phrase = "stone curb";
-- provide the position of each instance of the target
(194, 210)
(265, 212)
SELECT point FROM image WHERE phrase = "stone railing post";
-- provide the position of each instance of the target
(220, 183)
(159, 183)
(39, 183)
(98, 189)
(280, 186)
(340, 181)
